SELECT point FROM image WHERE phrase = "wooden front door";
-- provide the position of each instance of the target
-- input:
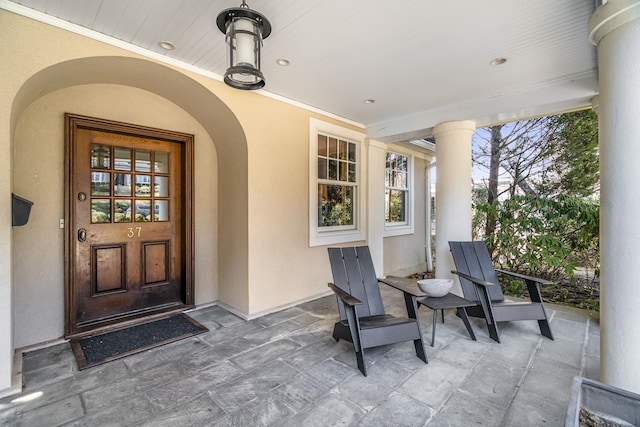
(128, 223)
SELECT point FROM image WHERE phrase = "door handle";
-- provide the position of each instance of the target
(82, 235)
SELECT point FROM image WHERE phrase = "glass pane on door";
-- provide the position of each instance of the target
(100, 211)
(161, 187)
(100, 156)
(143, 161)
(161, 210)
(143, 185)
(143, 211)
(161, 162)
(122, 158)
(122, 184)
(100, 183)
(122, 211)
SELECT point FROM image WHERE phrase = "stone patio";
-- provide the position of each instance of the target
(285, 369)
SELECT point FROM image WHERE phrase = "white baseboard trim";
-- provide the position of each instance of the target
(252, 316)
(232, 310)
(16, 376)
(16, 371)
(289, 305)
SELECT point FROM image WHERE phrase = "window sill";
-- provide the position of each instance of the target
(335, 237)
(398, 230)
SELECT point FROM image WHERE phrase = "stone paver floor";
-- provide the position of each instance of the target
(285, 369)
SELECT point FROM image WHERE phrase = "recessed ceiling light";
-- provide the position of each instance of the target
(369, 101)
(498, 61)
(283, 62)
(167, 45)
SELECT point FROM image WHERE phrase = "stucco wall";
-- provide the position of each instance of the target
(283, 269)
(38, 175)
(405, 254)
(251, 183)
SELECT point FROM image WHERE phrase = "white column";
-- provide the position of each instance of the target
(453, 191)
(375, 203)
(6, 253)
(615, 29)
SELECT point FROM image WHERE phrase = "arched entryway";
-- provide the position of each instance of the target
(217, 120)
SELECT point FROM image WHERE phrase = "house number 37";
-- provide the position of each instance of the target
(134, 232)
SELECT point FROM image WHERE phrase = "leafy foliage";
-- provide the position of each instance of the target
(553, 161)
(543, 236)
(576, 163)
(395, 211)
(336, 208)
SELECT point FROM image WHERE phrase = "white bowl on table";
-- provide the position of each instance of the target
(435, 287)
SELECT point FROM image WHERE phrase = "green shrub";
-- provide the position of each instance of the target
(543, 237)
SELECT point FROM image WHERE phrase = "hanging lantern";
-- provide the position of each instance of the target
(244, 29)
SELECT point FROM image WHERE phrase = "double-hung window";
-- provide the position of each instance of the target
(398, 189)
(335, 184)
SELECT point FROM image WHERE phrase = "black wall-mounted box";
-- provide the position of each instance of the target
(21, 208)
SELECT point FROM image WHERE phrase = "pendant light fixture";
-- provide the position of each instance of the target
(244, 31)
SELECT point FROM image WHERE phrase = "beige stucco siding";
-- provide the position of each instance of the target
(252, 252)
(405, 254)
(38, 174)
(251, 172)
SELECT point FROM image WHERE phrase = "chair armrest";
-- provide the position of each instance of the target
(475, 279)
(523, 277)
(344, 296)
(405, 285)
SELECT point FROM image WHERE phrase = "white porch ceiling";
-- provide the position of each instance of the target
(423, 62)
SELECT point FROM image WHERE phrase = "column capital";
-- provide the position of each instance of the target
(454, 127)
(372, 143)
(610, 16)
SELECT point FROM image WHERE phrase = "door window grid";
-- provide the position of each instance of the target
(112, 197)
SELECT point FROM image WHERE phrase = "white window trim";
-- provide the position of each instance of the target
(319, 236)
(406, 227)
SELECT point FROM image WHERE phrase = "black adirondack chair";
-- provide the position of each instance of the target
(480, 284)
(362, 316)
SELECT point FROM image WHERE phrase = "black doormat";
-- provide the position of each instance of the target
(97, 349)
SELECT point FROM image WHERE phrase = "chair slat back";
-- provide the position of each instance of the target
(339, 276)
(473, 258)
(370, 280)
(353, 272)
